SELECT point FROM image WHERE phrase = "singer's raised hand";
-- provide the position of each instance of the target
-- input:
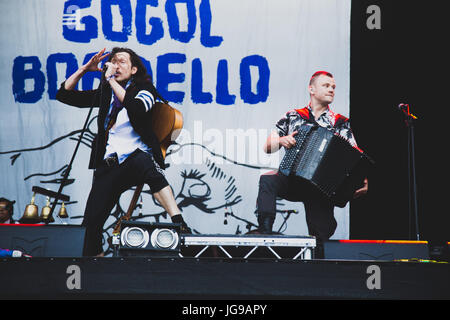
(92, 64)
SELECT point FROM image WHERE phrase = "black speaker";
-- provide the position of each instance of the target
(42, 240)
(149, 239)
(375, 250)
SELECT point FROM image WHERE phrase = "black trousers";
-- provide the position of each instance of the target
(110, 181)
(319, 210)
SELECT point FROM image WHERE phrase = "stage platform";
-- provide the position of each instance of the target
(239, 267)
(220, 278)
(248, 246)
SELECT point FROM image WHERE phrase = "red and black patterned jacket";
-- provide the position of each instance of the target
(293, 119)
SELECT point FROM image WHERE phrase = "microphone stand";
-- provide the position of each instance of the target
(409, 121)
(69, 167)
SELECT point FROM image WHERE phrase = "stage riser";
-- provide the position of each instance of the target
(67, 241)
(44, 240)
(375, 251)
(192, 278)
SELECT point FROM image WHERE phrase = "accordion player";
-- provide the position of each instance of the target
(328, 161)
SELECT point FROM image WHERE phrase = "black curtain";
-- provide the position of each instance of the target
(406, 61)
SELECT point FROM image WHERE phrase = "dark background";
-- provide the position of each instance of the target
(406, 61)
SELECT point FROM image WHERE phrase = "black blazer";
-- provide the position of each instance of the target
(141, 120)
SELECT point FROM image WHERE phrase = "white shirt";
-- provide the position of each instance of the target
(123, 139)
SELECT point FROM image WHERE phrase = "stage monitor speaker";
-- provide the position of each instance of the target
(149, 239)
(40, 240)
(375, 250)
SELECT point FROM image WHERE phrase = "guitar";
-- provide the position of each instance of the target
(167, 123)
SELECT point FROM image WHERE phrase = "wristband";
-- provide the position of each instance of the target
(110, 77)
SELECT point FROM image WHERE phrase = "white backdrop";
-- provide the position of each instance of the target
(233, 68)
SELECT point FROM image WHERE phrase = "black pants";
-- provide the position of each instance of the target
(319, 210)
(110, 181)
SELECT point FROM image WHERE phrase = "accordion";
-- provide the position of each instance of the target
(328, 162)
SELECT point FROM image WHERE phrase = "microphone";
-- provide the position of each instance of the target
(105, 67)
(103, 78)
(404, 107)
(225, 215)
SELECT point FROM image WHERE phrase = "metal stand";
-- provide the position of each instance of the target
(69, 167)
(413, 207)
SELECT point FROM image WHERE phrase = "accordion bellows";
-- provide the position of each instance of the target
(327, 161)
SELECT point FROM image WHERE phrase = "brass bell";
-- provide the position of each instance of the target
(31, 214)
(46, 212)
(63, 212)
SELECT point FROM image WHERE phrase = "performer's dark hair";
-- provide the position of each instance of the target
(319, 73)
(141, 76)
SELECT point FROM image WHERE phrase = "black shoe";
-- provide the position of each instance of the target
(265, 223)
(184, 229)
(183, 226)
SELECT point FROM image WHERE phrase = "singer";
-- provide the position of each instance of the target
(319, 210)
(126, 151)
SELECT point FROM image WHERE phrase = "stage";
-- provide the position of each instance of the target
(218, 278)
(241, 267)
(232, 82)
